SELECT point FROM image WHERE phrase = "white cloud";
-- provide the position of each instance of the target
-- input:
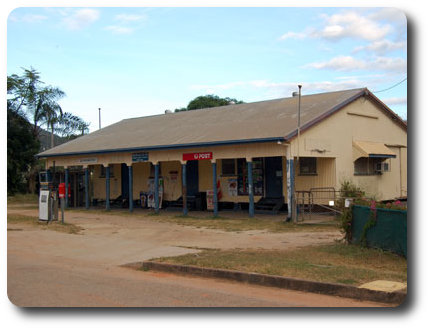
(382, 47)
(392, 15)
(352, 25)
(395, 101)
(339, 63)
(347, 24)
(293, 35)
(391, 64)
(29, 18)
(116, 29)
(126, 23)
(349, 63)
(81, 18)
(129, 18)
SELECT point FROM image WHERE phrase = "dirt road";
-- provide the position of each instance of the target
(48, 268)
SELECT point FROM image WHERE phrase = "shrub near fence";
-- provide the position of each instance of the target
(388, 232)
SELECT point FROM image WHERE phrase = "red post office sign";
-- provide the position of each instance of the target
(197, 156)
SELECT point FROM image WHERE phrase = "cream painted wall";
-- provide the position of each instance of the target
(141, 172)
(99, 184)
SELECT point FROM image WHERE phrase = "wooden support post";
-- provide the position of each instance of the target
(107, 188)
(130, 188)
(184, 189)
(250, 189)
(214, 184)
(156, 188)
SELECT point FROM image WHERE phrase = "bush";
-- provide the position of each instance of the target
(395, 205)
(348, 190)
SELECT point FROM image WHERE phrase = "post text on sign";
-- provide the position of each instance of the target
(197, 156)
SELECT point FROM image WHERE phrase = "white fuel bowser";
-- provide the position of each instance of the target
(48, 198)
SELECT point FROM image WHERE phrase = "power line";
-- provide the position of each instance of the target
(383, 90)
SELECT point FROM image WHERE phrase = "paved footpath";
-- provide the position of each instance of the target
(48, 268)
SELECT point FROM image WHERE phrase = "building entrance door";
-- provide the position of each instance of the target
(124, 181)
(192, 177)
(273, 176)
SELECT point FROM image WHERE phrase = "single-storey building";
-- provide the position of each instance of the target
(344, 135)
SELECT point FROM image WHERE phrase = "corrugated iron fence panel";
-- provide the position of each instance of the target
(389, 233)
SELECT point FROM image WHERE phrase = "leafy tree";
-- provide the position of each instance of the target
(30, 96)
(208, 101)
(22, 145)
(31, 104)
(40, 103)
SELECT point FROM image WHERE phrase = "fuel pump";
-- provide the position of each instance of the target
(48, 198)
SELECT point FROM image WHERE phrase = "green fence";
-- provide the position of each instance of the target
(388, 233)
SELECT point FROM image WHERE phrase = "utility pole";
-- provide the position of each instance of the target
(298, 125)
(295, 213)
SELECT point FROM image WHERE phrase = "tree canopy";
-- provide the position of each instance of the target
(208, 101)
(29, 96)
(22, 145)
(31, 104)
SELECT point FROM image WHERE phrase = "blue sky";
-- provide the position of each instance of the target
(133, 62)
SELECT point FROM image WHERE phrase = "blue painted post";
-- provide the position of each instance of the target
(184, 189)
(130, 188)
(215, 196)
(250, 190)
(156, 190)
(87, 196)
(293, 189)
(66, 181)
(108, 188)
(290, 187)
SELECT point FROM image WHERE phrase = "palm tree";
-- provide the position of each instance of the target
(71, 124)
(47, 108)
(40, 103)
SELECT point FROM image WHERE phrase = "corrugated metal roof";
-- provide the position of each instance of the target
(238, 123)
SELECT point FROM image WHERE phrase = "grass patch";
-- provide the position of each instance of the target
(223, 223)
(238, 225)
(23, 199)
(15, 219)
(333, 263)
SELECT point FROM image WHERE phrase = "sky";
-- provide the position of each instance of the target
(134, 62)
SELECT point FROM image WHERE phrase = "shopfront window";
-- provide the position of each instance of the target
(257, 175)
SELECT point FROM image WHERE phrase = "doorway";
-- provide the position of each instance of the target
(192, 177)
(273, 176)
(124, 181)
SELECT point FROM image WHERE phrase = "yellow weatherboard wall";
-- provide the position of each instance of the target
(345, 126)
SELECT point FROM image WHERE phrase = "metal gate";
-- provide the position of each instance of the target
(318, 203)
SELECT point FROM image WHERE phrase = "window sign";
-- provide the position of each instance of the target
(87, 160)
(139, 157)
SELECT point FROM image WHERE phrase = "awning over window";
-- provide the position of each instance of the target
(371, 150)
